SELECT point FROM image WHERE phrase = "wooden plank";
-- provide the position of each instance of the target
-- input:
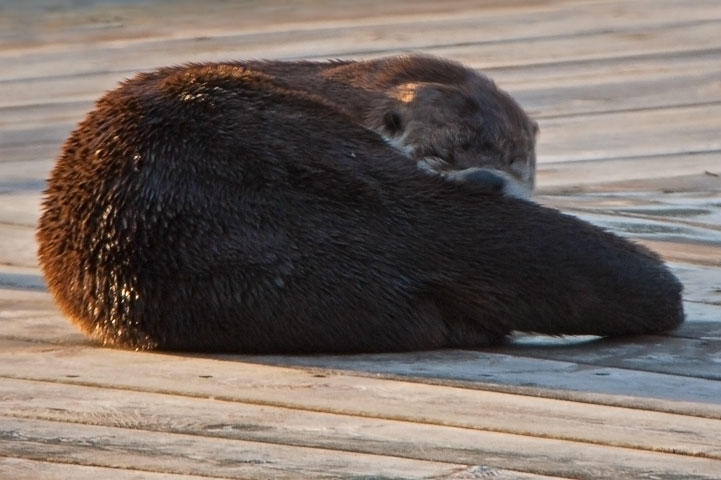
(46, 132)
(35, 327)
(23, 289)
(705, 196)
(15, 116)
(701, 284)
(23, 278)
(20, 208)
(701, 207)
(562, 72)
(513, 373)
(659, 228)
(68, 93)
(28, 313)
(23, 469)
(18, 245)
(233, 378)
(592, 47)
(189, 454)
(231, 420)
(687, 234)
(684, 252)
(696, 208)
(703, 322)
(38, 158)
(640, 27)
(572, 176)
(638, 133)
(698, 358)
(102, 22)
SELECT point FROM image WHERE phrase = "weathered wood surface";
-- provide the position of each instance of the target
(420, 438)
(628, 95)
(24, 469)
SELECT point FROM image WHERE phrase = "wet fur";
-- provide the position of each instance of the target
(214, 208)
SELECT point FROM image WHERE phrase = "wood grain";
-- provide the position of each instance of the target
(652, 25)
(163, 452)
(618, 173)
(24, 469)
(233, 378)
(238, 421)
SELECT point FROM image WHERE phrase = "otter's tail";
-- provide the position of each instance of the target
(537, 270)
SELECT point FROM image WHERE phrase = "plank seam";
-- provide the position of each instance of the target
(686, 408)
(398, 418)
(40, 458)
(652, 108)
(264, 442)
(676, 221)
(602, 60)
(611, 444)
(634, 157)
(437, 17)
(427, 48)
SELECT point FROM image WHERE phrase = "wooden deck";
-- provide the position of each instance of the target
(628, 95)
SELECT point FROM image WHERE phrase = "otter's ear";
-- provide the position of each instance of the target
(392, 122)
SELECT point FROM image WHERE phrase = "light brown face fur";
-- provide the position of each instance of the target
(447, 118)
(456, 129)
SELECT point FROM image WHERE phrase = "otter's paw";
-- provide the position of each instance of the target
(491, 180)
(487, 179)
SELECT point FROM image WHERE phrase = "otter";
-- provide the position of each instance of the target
(446, 117)
(215, 208)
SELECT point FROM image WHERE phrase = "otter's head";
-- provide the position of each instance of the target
(456, 129)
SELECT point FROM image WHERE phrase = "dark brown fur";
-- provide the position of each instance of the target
(439, 113)
(213, 208)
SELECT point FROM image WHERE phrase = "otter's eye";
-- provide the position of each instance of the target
(392, 122)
